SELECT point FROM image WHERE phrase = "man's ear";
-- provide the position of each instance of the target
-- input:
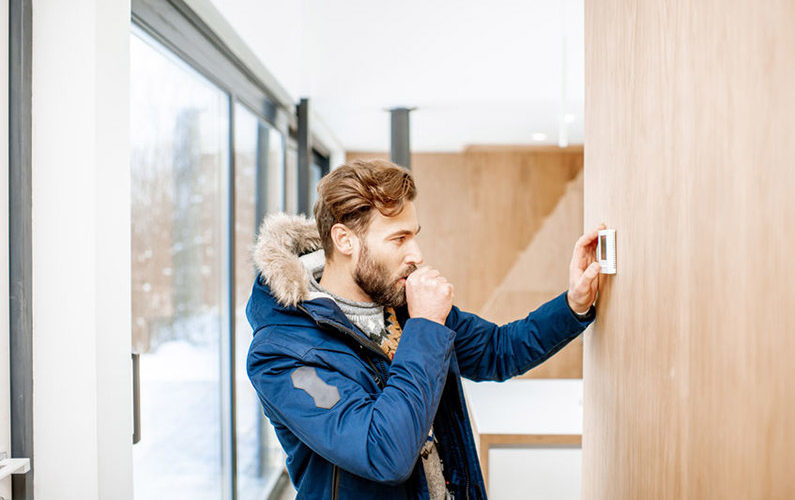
(345, 240)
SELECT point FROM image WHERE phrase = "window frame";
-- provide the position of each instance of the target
(175, 25)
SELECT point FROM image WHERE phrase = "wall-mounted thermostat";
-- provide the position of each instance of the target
(606, 250)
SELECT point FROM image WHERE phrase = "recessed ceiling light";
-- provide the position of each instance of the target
(539, 136)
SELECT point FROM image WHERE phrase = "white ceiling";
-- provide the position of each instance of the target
(478, 72)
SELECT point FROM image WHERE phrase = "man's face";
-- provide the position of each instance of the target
(389, 252)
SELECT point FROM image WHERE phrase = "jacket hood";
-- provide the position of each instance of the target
(288, 248)
(287, 252)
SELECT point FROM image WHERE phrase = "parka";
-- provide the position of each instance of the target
(351, 421)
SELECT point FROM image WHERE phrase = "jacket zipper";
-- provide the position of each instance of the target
(335, 483)
(384, 370)
(376, 373)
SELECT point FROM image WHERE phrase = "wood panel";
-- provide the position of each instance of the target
(481, 210)
(689, 156)
(512, 192)
(541, 271)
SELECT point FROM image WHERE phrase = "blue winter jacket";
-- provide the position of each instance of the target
(351, 422)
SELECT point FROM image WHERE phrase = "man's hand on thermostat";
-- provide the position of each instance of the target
(584, 273)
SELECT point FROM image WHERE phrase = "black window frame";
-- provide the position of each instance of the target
(322, 160)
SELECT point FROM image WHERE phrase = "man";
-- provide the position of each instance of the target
(358, 352)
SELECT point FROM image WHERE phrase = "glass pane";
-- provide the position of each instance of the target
(259, 456)
(179, 153)
(275, 173)
(291, 179)
(315, 173)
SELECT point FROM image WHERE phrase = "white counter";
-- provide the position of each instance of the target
(526, 406)
(529, 434)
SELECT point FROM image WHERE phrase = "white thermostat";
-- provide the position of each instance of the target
(606, 250)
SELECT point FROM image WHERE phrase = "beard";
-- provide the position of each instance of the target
(375, 280)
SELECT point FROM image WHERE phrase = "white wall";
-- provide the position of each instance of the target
(81, 250)
(5, 387)
(270, 36)
(273, 31)
(479, 72)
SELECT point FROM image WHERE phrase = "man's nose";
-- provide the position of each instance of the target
(415, 254)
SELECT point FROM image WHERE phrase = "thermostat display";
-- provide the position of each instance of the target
(606, 250)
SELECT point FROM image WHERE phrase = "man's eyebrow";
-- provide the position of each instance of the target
(405, 231)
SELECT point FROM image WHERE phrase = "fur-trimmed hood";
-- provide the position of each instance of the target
(288, 248)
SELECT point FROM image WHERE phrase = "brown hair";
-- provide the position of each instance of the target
(348, 194)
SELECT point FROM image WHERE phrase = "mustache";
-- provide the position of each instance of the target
(409, 270)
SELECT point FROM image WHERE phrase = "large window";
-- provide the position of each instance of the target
(208, 156)
(179, 154)
(259, 161)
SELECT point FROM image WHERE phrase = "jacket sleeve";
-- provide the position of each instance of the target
(375, 436)
(486, 351)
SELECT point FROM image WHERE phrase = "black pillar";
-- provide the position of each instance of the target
(400, 147)
(20, 254)
(304, 157)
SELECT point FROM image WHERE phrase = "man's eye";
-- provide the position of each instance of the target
(401, 239)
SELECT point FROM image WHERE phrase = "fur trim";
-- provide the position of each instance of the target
(282, 240)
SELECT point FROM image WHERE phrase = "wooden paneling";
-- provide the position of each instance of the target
(687, 370)
(541, 271)
(512, 192)
(481, 211)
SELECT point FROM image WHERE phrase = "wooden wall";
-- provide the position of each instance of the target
(480, 212)
(689, 155)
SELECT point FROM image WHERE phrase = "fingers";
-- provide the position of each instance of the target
(426, 270)
(418, 273)
(429, 295)
(426, 273)
(589, 237)
(586, 239)
(590, 275)
(592, 272)
(585, 249)
(584, 292)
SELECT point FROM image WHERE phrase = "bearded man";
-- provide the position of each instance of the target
(358, 350)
